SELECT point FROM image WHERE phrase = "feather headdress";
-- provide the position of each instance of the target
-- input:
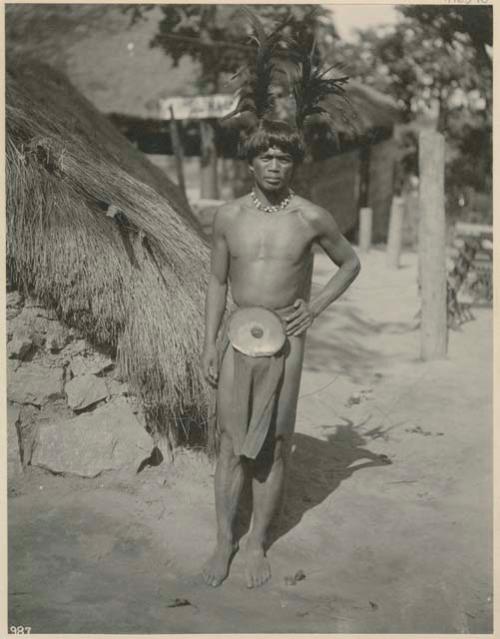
(313, 86)
(255, 97)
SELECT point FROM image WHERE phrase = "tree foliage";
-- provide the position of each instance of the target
(475, 22)
(420, 65)
(217, 36)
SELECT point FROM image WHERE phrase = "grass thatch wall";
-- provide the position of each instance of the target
(100, 235)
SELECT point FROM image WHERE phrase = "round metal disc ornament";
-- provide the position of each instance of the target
(256, 331)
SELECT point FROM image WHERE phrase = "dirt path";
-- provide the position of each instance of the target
(398, 548)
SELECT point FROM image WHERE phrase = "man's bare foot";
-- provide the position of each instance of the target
(217, 567)
(257, 570)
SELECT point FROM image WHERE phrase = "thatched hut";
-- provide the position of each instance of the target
(100, 236)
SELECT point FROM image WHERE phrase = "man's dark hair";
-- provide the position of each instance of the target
(271, 133)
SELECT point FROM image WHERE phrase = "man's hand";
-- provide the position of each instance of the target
(300, 319)
(210, 364)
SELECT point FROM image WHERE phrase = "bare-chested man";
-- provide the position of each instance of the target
(267, 259)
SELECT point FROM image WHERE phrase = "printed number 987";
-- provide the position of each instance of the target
(20, 630)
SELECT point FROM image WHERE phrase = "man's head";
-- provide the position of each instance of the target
(274, 133)
(273, 151)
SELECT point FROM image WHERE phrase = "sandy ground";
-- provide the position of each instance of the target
(399, 548)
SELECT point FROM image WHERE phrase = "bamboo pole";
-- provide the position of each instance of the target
(432, 249)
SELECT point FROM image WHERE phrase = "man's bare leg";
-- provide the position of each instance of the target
(229, 479)
(270, 468)
(268, 487)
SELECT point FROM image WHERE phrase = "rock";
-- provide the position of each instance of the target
(56, 360)
(355, 398)
(19, 347)
(35, 384)
(14, 465)
(29, 324)
(12, 366)
(14, 299)
(56, 339)
(138, 409)
(93, 365)
(178, 602)
(77, 347)
(291, 580)
(11, 313)
(110, 438)
(85, 391)
(38, 339)
(14, 304)
(116, 388)
(55, 411)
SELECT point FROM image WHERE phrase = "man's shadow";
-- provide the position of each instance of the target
(317, 468)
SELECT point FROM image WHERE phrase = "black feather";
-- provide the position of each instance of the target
(255, 94)
(313, 86)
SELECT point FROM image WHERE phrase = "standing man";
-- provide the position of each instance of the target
(262, 246)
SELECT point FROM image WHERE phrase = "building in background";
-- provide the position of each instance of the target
(113, 65)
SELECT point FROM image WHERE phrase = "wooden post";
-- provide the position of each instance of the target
(420, 247)
(365, 228)
(178, 151)
(364, 175)
(432, 250)
(208, 159)
(411, 212)
(395, 238)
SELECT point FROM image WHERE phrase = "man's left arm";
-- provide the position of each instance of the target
(338, 249)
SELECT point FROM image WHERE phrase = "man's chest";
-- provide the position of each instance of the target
(260, 236)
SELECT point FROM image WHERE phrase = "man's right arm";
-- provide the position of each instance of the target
(216, 296)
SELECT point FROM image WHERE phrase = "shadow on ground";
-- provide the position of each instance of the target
(317, 469)
(353, 344)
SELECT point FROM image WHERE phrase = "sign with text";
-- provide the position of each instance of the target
(197, 107)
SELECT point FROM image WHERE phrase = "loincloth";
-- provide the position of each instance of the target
(256, 384)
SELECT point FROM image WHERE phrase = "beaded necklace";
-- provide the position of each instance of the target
(278, 208)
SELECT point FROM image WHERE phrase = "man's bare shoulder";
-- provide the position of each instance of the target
(313, 214)
(229, 210)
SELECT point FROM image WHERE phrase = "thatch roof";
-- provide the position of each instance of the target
(106, 58)
(97, 234)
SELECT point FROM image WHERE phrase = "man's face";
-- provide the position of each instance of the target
(272, 169)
